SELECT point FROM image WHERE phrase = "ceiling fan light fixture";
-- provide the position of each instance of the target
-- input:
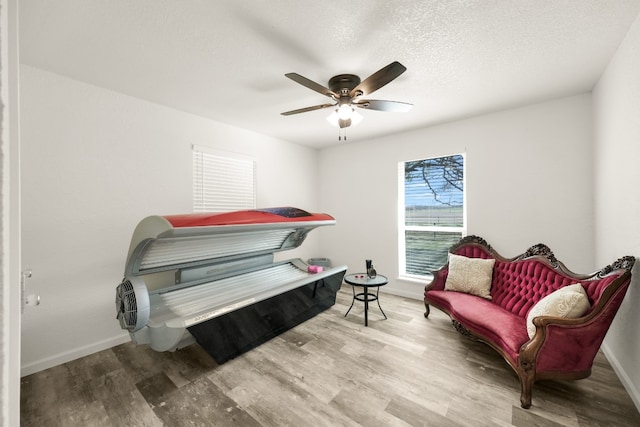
(333, 118)
(345, 111)
(343, 118)
(355, 117)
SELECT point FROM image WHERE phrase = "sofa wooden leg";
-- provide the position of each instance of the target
(427, 310)
(525, 400)
(526, 384)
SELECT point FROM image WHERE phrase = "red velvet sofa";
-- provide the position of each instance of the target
(561, 348)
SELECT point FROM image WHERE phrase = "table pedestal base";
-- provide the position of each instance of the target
(366, 297)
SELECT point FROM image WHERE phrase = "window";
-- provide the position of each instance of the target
(431, 212)
(222, 182)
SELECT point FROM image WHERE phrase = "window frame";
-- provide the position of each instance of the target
(403, 228)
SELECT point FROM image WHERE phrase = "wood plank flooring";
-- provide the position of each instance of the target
(329, 371)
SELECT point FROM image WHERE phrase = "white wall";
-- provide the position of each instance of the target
(617, 199)
(529, 180)
(95, 163)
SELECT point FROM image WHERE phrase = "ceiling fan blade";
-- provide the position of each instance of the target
(311, 85)
(304, 110)
(391, 106)
(378, 79)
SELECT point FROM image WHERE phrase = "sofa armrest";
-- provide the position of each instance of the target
(562, 348)
(436, 284)
(439, 278)
(570, 345)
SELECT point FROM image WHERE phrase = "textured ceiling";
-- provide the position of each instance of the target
(226, 59)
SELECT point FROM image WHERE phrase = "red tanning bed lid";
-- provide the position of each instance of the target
(256, 216)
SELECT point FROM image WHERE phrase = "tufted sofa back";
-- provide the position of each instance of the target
(517, 285)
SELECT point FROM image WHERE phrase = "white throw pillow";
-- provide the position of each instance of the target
(567, 302)
(470, 275)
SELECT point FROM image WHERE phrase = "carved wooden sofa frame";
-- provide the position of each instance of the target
(562, 348)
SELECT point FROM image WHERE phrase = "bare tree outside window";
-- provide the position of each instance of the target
(441, 176)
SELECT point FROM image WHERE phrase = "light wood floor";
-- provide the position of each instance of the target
(329, 371)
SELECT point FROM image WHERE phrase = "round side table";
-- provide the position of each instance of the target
(364, 281)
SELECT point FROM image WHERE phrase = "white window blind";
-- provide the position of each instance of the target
(222, 183)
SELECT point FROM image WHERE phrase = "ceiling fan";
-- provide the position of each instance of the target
(346, 92)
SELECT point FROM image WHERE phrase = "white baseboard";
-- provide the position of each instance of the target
(73, 354)
(622, 375)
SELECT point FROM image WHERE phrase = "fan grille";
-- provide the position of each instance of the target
(126, 305)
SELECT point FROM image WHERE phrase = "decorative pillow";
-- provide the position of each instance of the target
(470, 275)
(567, 302)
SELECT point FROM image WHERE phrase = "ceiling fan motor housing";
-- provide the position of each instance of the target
(343, 84)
